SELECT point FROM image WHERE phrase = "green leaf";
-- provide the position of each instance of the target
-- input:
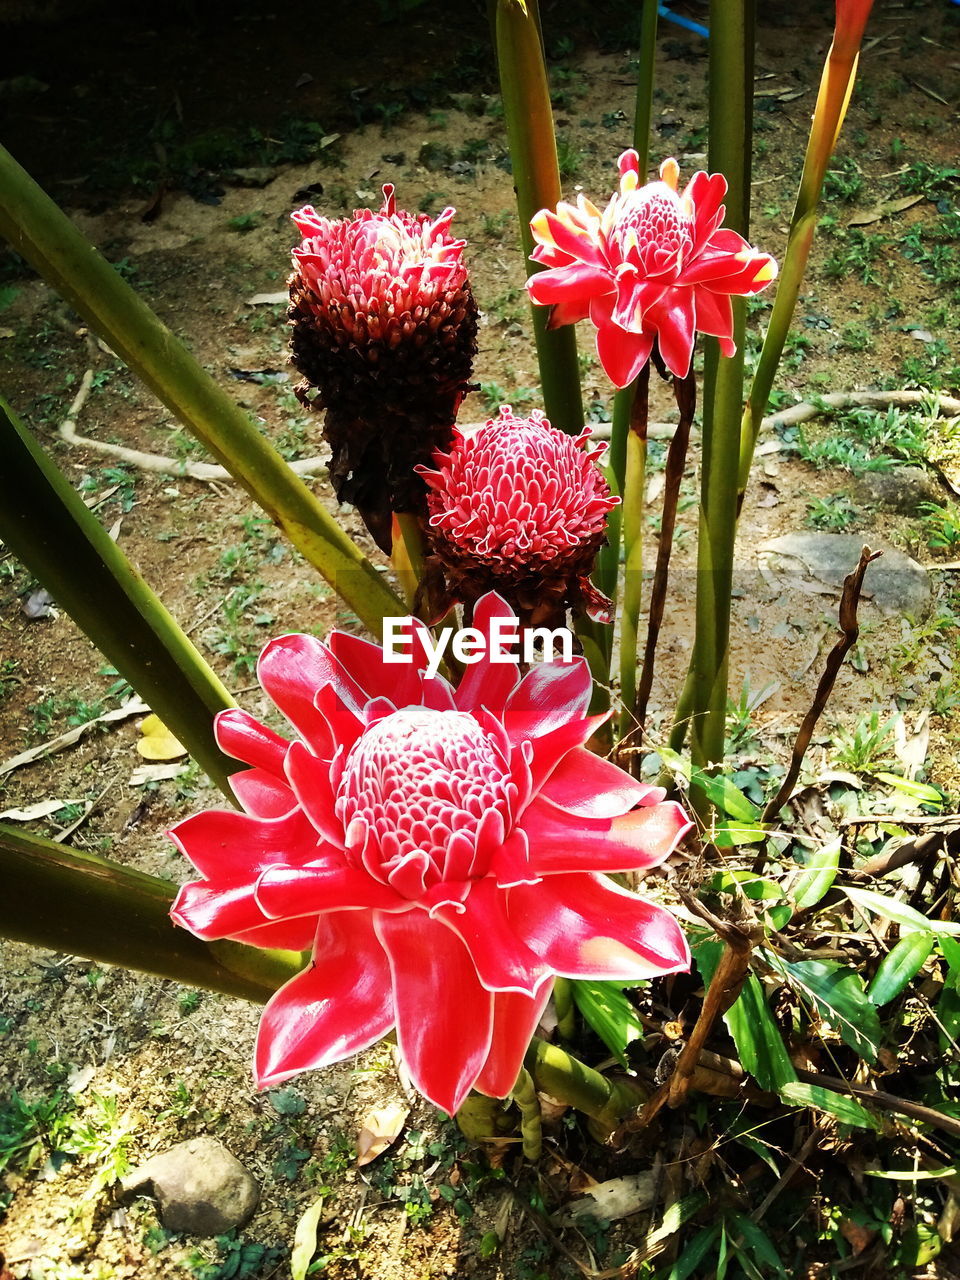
(950, 951)
(848, 1110)
(922, 792)
(305, 1238)
(914, 1175)
(889, 908)
(837, 993)
(727, 797)
(750, 1022)
(609, 1013)
(759, 1242)
(44, 522)
(817, 875)
(693, 1253)
(751, 885)
(730, 835)
(900, 966)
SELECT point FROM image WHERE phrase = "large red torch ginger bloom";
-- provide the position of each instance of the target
(654, 266)
(520, 507)
(443, 850)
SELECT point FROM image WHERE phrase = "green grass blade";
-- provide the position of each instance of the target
(46, 237)
(44, 522)
(86, 905)
(536, 180)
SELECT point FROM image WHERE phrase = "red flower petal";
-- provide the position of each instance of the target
(223, 844)
(400, 682)
(676, 320)
(568, 230)
(587, 927)
(229, 910)
(548, 696)
(563, 284)
(288, 892)
(515, 1019)
(262, 794)
(560, 842)
(485, 683)
(341, 1005)
(622, 354)
(502, 960)
(444, 1016)
(291, 670)
(246, 739)
(584, 784)
(313, 787)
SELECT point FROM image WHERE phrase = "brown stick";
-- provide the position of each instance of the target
(685, 389)
(888, 1101)
(850, 627)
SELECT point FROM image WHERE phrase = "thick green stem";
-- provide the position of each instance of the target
(531, 1123)
(536, 181)
(85, 905)
(407, 558)
(563, 1077)
(44, 522)
(566, 1009)
(633, 499)
(50, 242)
(731, 96)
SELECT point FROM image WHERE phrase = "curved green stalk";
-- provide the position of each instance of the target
(836, 86)
(633, 548)
(565, 1078)
(524, 1094)
(85, 905)
(536, 181)
(731, 100)
(46, 525)
(46, 237)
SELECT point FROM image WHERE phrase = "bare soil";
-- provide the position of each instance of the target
(108, 128)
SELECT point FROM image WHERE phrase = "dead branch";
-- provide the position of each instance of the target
(886, 1101)
(156, 462)
(850, 627)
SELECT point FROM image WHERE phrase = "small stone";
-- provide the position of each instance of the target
(894, 582)
(199, 1186)
(901, 491)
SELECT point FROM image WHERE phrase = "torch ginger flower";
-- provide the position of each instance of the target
(384, 332)
(653, 267)
(519, 507)
(444, 850)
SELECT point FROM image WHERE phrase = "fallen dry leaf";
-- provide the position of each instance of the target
(380, 1129)
(157, 742)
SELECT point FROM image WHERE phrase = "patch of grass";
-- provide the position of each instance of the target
(834, 513)
(245, 222)
(858, 253)
(867, 440)
(941, 527)
(868, 746)
(69, 711)
(237, 1259)
(843, 180)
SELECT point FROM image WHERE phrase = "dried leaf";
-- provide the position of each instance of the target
(868, 216)
(145, 773)
(268, 299)
(614, 1199)
(38, 604)
(305, 1239)
(42, 809)
(380, 1129)
(157, 742)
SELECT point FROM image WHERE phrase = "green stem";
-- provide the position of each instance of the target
(565, 1078)
(407, 555)
(85, 905)
(46, 525)
(731, 89)
(565, 1007)
(536, 180)
(531, 1122)
(633, 546)
(46, 237)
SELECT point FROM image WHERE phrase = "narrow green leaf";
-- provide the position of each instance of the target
(759, 1242)
(46, 237)
(915, 1175)
(950, 951)
(838, 1105)
(922, 792)
(731, 835)
(305, 1239)
(750, 1022)
(609, 1013)
(45, 523)
(881, 904)
(900, 966)
(817, 875)
(838, 996)
(694, 1253)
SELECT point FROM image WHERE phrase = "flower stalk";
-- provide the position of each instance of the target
(536, 178)
(836, 87)
(633, 548)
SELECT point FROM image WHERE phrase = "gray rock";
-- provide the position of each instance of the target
(199, 1187)
(901, 491)
(895, 583)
